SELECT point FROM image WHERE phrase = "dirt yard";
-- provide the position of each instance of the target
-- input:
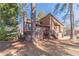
(40, 48)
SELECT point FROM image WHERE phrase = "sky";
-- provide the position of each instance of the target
(48, 8)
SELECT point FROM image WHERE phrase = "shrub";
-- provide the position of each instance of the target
(7, 35)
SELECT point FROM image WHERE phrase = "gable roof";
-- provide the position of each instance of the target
(53, 17)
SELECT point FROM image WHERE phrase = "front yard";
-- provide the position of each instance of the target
(40, 48)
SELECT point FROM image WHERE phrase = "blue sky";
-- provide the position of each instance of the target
(46, 7)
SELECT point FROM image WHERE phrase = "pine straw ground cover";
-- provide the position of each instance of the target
(40, 48)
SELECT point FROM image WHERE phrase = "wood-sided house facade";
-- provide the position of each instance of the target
(47, 27)
(55, 27)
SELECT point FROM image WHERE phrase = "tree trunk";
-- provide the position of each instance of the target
(33, 18)
(71, 21)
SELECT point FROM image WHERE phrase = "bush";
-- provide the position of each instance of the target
(7, 35)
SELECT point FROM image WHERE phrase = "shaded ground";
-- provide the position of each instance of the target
(40, 48)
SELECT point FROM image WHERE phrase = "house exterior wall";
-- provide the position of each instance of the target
(57, 29)
(54, 25)
(50, 23)
(45, 21)
(61, 32)
(40, 30)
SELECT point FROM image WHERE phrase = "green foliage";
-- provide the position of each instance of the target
(7, 35)
(8, 14)
(22, 8)
(2, 33)
(40, 15)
